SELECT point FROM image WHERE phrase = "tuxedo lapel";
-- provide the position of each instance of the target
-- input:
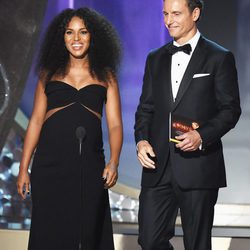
(196, 61)
(165, 76)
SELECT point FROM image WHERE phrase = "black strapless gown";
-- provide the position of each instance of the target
(70, 205)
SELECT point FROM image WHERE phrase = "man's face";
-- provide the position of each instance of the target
(179, 21)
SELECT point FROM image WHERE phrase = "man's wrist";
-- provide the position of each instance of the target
(140, 142)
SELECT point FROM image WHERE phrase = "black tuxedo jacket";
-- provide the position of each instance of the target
(212, 100)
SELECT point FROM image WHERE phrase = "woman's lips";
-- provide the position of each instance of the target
(77, 46)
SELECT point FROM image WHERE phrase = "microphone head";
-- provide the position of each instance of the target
(80, 133)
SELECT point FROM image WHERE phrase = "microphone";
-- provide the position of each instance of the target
(80, 135)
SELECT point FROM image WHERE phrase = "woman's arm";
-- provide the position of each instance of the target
(114, 122)
(31, 138)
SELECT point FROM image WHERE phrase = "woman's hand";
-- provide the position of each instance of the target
(110, 175)
(23, 184)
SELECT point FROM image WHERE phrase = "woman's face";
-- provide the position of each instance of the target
(77, 38)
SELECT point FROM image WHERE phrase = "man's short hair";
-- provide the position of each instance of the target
(192, 4)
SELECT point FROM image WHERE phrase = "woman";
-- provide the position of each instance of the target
(69, 179)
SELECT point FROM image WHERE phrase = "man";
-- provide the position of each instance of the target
(199, 82)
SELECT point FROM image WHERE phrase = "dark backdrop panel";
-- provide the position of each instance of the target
(19, 29)
(243, 51)
(219, 22)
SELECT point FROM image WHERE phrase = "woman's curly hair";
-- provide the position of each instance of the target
(104, 52)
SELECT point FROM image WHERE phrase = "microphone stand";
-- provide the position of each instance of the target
(80, 135)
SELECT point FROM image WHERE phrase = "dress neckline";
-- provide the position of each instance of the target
(84, 87)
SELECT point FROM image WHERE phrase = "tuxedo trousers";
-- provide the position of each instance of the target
(158, 209)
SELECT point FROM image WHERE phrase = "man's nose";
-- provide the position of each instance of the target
(169, 19)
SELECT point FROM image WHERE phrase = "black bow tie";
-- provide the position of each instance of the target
(172, 49)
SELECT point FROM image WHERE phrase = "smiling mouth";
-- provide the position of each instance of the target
(172, 27)
(77, 46)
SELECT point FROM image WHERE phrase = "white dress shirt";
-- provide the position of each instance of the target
(180, 62)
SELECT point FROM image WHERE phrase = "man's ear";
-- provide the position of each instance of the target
(196, 14)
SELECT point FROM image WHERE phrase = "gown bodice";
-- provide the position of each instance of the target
(61, 94)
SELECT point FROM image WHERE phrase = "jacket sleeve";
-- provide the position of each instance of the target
(145, 109)
(228, 102)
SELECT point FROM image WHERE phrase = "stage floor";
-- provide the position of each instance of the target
(231, 230)
(17, 239)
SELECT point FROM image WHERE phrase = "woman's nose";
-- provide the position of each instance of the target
(76, 37)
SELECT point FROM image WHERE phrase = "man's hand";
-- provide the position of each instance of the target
(144, 150)
(190, 141)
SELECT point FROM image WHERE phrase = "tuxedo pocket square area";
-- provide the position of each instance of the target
(201, 75)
